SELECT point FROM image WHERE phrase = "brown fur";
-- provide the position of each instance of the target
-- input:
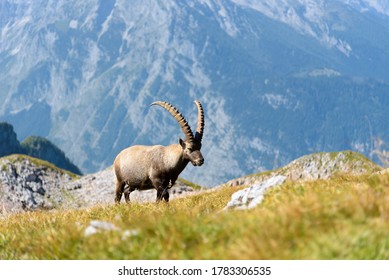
(146, 167)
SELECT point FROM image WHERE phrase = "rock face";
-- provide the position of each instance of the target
(29, 184)
(9, 143)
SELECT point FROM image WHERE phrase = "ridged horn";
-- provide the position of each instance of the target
(179, 118)
(200, 122)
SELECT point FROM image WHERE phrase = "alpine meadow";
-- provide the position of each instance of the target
(287, 100)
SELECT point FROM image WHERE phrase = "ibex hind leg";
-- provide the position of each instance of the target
(159, 195)
(119, 191)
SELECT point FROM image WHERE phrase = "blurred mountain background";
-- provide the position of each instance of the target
(278, 79)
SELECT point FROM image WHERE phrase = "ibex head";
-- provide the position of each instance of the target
(192, 144)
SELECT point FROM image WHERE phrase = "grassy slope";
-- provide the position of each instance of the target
(347, 159)
(345, 217)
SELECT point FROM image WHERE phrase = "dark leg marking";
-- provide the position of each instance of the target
(119, 191)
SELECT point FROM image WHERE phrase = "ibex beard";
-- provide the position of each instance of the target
(147, 167)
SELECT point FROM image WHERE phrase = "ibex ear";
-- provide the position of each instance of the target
(182, 143)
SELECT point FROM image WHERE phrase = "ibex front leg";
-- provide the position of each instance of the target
(163, 193)
(162, 187)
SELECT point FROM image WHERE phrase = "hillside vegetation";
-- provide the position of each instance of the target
(33, 146)
(42, 148)
(341, 217)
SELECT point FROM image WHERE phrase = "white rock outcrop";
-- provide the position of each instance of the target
(252, 196)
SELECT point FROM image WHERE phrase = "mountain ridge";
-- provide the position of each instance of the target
(34, 146)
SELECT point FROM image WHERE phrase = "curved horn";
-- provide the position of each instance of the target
(200, 121)
(179, 118)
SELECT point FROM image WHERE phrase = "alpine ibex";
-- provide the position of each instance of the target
(146, 167)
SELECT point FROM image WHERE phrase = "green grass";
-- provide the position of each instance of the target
(190, 184)
(345, 217)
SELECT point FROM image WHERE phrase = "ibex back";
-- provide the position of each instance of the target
(146, 167)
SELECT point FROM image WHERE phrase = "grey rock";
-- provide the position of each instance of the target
(252, 196)
(129, 233)
(26, 185)
(97, 226)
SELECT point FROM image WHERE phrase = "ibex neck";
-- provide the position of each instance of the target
(174, 158)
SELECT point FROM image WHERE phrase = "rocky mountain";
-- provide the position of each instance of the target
(278, 79)
(33, 146)
(29, 184)
(42, 148)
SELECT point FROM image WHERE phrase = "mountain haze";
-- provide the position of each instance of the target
(278, 79)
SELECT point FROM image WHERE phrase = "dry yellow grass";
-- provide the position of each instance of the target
(342, 218)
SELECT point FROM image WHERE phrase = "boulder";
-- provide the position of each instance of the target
(252, 196)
